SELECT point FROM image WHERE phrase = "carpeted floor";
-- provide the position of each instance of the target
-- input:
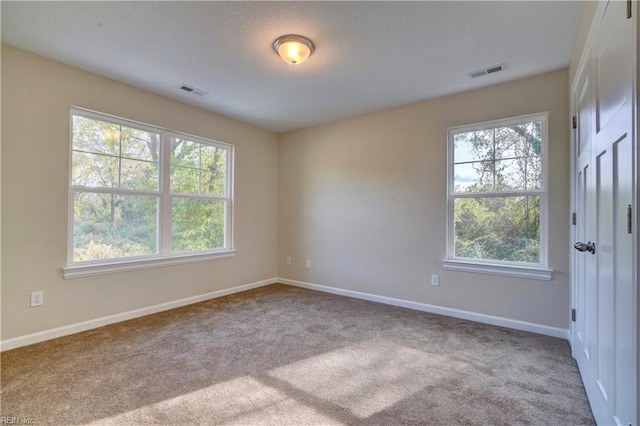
(281, 355)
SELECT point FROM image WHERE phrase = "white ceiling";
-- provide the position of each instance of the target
(369, 55)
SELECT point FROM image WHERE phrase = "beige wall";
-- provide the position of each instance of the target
(365, 200)
(36, 97)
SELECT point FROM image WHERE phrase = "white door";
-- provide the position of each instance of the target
(604, 339)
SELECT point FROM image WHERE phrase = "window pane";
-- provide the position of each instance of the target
(511, 174)
(140, 145)
(185, 153)
(532, 132)
(104, 154)
(198, 168)
(213, 158)
(473, 177)
(511, 142)
(212, 183)
(498, 228)
(473, 146)
(97, 171)
(95, 136)
(107, 226)
(139, 175)
(213, 164)
(197, 224)
(184, 180)
(534, 173)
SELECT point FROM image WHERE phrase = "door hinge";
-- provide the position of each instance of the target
(573, 218)
(574, 122)
(629, 219)
(629, 8)
(573, 315)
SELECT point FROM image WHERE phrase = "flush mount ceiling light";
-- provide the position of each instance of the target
(293, 49)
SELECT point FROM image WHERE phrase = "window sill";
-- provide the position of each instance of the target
(77, 271)
(530, 272)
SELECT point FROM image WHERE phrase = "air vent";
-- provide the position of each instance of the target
(486, 71)
(192, 90)
(477, 74)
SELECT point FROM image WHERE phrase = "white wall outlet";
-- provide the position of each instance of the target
(308, 263)
(435, 280)
(288, 261)
(37, 298)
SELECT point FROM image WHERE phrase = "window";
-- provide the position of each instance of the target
(142, 196)
(497, 197)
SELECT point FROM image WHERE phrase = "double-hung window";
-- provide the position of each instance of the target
(497, 196)
(142, 196)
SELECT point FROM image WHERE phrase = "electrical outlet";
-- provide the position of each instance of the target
(435, 280)
(308, 263)
(37, 298)
(288, 261)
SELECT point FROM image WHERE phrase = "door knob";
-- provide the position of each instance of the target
(589, 246)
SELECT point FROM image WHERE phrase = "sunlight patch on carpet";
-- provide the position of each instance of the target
(240, 401)
(368, 377)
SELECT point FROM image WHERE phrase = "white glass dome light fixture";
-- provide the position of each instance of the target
(293, 49)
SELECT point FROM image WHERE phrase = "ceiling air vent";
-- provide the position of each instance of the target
(486, 71)
(192, 90)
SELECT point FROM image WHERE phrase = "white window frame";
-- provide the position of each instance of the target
(163, 255)
(539, 270)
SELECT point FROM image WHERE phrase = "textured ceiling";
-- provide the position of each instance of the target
(369, 55)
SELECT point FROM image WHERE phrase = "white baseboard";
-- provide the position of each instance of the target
(41, 336)
(456, 313)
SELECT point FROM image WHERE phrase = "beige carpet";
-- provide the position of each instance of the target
(286, 356)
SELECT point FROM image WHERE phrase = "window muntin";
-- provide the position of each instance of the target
(142, 192)
(497, 192)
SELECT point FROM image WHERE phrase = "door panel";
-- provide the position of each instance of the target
(604, 275)
(580, 265)
(584, 117)
(625, 361)
(612, 89)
